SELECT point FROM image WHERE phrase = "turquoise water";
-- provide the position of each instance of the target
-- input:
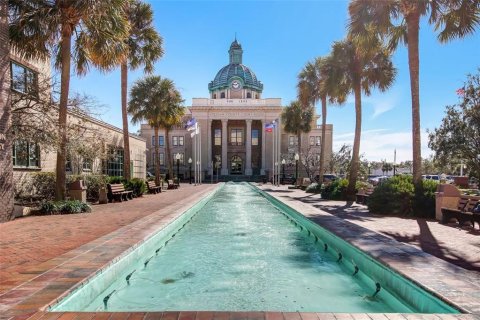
(240, 253)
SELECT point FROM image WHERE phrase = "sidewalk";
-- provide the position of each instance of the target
(29, 246)
(452, 244)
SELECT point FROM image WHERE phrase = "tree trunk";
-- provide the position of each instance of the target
(157, 158)
(126, 140)
(354, 165)
(62, 118)
(322, 147)
(168, 155)
(413, 26)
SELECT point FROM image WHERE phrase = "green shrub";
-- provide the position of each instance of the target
(63, 207)
(115, 180)
(94, 184)
(44, 185)
(396, 196)
(137, 185)
(335, 190)
(314, 188)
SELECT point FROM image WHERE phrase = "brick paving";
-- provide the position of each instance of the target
(447, 242)
(27, 243)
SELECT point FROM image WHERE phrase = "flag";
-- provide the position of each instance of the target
(195, 130)
(460, 92)
(269, 127)
(190, 123)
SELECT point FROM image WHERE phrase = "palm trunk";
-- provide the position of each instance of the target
(413, 25)
(168, 155)
(157, 158)
(354, 165)
(322, 147)
(62, 117)
(126, 136)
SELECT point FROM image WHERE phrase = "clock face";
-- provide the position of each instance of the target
(236, 85)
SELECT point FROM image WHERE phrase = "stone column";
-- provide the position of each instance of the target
(6, 166)
(224, 147)
(209, 147)
(262, 171)
(248, 145)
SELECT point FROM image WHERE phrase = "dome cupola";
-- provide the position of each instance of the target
(235, 80)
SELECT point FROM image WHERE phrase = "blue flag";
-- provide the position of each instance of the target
(190, 123)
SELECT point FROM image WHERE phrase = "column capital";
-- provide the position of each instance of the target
(248, 121)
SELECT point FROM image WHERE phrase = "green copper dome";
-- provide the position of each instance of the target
(235, 69)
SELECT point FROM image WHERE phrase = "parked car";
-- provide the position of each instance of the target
(377, 180)
(327, 178)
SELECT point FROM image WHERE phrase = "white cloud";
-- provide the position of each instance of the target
(380, 144)
(379, 102)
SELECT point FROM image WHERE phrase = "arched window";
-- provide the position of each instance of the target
(249, 95)
(222, 95)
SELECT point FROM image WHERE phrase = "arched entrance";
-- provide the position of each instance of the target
(236, 165)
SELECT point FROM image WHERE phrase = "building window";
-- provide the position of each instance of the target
(222, 95)
(177, 140)
(26, 154)
(87, 165)
(175, 158)
(153, 140)
(312, 140)
(214, 96)
(162, 159)
(292, 141)
(24, 80)
(318, 141)
(236, 137)
(113, 166)
(249, 95)
(254, 137)
(161, 141)
(218, 137)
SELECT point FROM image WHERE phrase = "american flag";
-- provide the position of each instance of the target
(460, 92)
(269, 127)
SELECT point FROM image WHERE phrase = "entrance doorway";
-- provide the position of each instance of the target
(237, 165)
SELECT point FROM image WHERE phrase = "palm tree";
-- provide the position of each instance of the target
(144, 47)
(353, 68)
(297, 119)
(399, 21)
(156, 101)
(311, 89)
(95, 28)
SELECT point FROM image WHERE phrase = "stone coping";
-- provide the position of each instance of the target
(29, 300)
(450, 283)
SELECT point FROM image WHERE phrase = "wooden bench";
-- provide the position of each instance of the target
(118, 192)
(363, 195)
(153, 188)
(463, 213)
(171, 185)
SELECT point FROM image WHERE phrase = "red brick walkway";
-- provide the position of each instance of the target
(30, 241)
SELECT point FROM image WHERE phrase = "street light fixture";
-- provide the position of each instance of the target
(369, 165)
(297, 157)
(178, 167)
(283, 171)
(190, 173)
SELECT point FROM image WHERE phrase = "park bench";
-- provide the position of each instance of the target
(153, 188)
(463, 213)
(171, 185)
(363, 195)
(118, 192)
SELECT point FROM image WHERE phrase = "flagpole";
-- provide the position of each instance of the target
(200, 156)
(273, 153)
(278, 154)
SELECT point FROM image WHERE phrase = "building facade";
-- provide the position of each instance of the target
(232, 124)
(6, 169)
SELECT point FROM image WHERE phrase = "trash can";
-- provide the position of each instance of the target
(78, 191)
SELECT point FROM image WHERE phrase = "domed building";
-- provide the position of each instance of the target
(234, 139)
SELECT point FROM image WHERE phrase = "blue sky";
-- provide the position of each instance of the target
(278, 38)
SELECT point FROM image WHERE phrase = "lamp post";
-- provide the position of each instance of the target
(190, 169)
(283, 171)
(369, 165)
(297, 157)
(275, 177)
(178, 167)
